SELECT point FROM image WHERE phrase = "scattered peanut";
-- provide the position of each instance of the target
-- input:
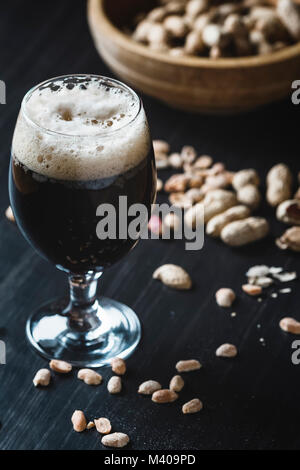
(249, 195)
(217, 223)
(172, 222)
(225, 297)
(175, 161)
(188, 154)
(194, 195)
(161, 147)
(61, 367)
(242, 232)
(159, 185)
(149, 387)
(279, 184)
(155, 225)
(90, 425)
(188, 365)
(173, 276)
(226, 350)
(289, 212)
(164, 396)
(114, 385)
(103, 425)
(181, 200)
(290, 325)
(176, 183)
(42, 378)
(79, 421)
(194, 217)
(251, 289)
(162, 161)
(9, 214)
(290, 239)
(117, 440)
(176, 384)
(118, 366)
(203, 162)
(89, 377)
(192, 406)
(297, 194)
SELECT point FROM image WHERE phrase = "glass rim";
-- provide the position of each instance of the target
(106, 80)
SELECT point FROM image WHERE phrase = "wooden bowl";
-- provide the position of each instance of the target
(189, 83)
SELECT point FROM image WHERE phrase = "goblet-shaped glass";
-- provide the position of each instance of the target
(80, 143)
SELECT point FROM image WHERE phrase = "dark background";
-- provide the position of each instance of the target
(251, 402)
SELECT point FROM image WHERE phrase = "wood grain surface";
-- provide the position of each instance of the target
(250, 402)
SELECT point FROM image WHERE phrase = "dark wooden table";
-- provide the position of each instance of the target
(251, 402)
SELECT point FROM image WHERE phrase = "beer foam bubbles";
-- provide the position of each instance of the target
(81, 131)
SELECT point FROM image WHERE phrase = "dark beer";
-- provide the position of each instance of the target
(91, 148)
(59, 217)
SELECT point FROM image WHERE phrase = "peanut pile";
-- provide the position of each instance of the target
(228, 198)
(216, 29)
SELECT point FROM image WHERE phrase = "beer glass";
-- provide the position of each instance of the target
(81, 142)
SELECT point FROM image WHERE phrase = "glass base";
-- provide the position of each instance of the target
(116, 333)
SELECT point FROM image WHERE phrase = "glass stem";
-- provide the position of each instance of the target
(83, 306)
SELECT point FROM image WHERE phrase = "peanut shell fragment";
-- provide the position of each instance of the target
(61, 367)
(164, 396)
(176, 384)
(173, 276)
(244, 177)
(218, 222)
(226, 350)
(103, 425)
(290, 325)
(290, 239)
(9, 214)
(79, 421)
(279, 184)
(89, 377)
(149, 387)
(289, 212)
(251, 289)
(114, 385)
(225, 297)
(118, 366)
(188, 365)
(117, 440)
(42, 378)
(161, 146)
(192, 406)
